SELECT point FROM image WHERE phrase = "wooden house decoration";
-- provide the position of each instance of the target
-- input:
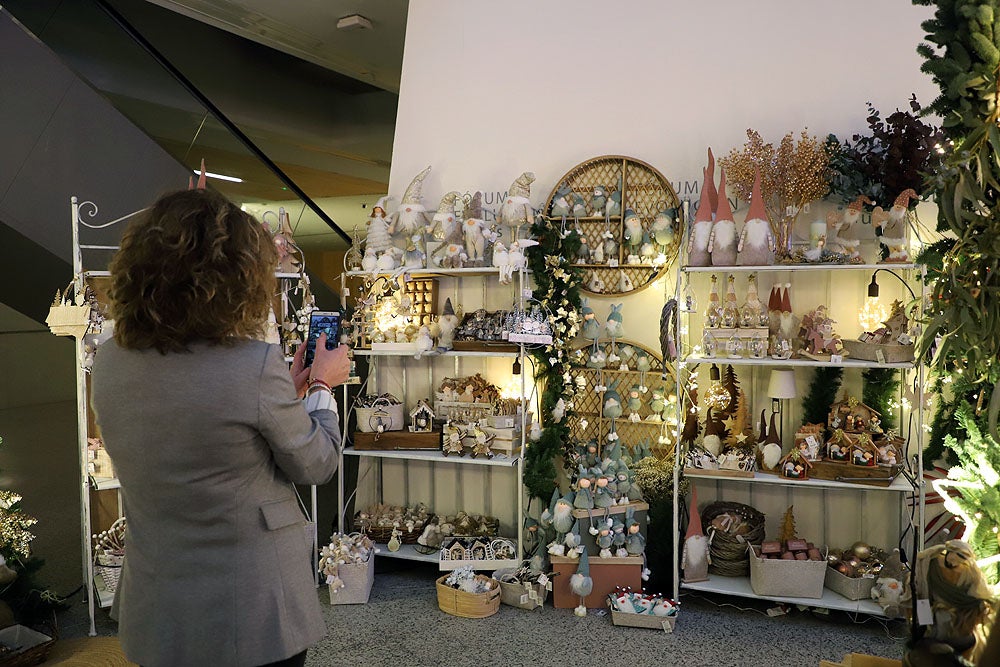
(852, 416)
(864, 453)
(456, 551)
(794, 465)
(478, 551)
(809, 440)
(838, 447)
(421, 418)
(890, 451)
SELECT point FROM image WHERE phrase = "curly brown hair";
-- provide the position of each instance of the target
(193, 267)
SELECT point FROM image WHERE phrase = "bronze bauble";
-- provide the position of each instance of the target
(862, 550)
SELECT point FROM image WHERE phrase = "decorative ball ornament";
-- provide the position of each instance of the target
(861, 550)
(717, 396)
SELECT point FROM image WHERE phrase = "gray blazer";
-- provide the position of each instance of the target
(206, 445)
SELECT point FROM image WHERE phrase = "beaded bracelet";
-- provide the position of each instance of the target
(317, 383)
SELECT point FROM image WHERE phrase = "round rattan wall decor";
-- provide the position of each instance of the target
(629, 218)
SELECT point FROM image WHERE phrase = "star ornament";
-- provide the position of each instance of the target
(741, 438)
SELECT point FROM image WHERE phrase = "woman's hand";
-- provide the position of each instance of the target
(331, 366)
(300, 374)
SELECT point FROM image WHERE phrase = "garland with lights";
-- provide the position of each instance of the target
(557, 288)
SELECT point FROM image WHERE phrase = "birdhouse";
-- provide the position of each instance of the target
(864, 453)
(421, 417)
(852, 416)
(794, 465)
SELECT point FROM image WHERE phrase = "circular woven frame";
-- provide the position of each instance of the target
(729, 552)
(644, 190)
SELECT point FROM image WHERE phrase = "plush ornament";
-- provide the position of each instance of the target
(591, 329)
(893, 226)
(770, 450)
(619, 538)
(516, 208)
(634, 403)
(545, 518)
(598, 200)
(633, 230)
(474, 231)
(378, 239)
(561, 205)
(625, 283)
(559, 410)
(841, 234)
(712, 441)
(614, 325)
(448, 322)
(662, 229)
(647, 251)
(581, 584)
(516, 261)
(572, 541)
(701, 230)
(695, 557)
(388, 260)
(756, 245)
(583, 252)
(444, 221)
(597, 359)
(579, 205)
(562, 513)
(411, 215)
(612, 402)
(595, 284)
(370, 261)
(413, 256)
(596, 252)
(635, 541)
(604, 541)
(424, 341)
(722, 242)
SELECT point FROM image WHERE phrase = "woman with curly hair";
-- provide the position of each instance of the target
(208, 432)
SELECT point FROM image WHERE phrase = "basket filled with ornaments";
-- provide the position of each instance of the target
(890, 342)
(852, 572)
(348, 564)
(467, 594)
(789, 566)
(642, 610)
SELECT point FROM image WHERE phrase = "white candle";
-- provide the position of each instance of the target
(816, 230)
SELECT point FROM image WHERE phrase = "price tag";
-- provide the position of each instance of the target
(880, 356)
(524, 599)
(812, 441)
(613, 263)
(667, 627)
(836, 359)
(548, 586)
(543, 580)
(526, 292)
(330, 579)
(347, 292)
(925, 616)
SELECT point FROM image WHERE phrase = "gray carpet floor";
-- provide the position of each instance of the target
(402, 625)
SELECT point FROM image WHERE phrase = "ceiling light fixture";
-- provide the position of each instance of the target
(354, 22)
(221, 177)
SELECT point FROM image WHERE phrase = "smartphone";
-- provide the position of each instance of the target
(320, 322)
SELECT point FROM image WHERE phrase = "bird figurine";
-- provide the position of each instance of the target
(893, 226)
(756, 245)
(633, 231)
(561, 205)
(516, 208)
(722, 242)
(559, 410)
(581, 584)
(598, 200)
(695, 557)
(516, 261)
(610, 243)
(614, 205)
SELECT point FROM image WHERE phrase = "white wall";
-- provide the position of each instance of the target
(491, 89)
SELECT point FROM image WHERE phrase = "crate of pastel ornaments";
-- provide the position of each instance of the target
(348, 563)
(794, 569)
(639, 610)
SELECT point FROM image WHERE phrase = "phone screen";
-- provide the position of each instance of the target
(322, 322)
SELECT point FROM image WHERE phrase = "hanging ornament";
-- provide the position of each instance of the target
(690, 302)
(730, 311)
(717, 397)
(713, 314)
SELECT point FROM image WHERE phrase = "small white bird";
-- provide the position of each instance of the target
(516, 259)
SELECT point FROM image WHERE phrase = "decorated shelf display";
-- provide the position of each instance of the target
(479, 553)
(841, 231)
(483, 330)
(892, 342)
(730, 528)
(623, 389)
(467, 594)
(627, 217)
(789, 566)
(348, 566)
(734, 331)
(642, 610)
(384, 523)
(462, 524)
(109, 554)
(522, 587)
(853, 571)
(466, 399)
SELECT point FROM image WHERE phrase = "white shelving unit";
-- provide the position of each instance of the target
(908, 484)
(396, 379)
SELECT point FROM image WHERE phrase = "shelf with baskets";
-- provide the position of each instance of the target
(863, 508)
(407, 464)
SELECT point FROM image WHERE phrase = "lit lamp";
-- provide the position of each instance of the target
(781, 386)
(873, 313)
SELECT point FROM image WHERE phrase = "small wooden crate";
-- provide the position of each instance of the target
(607, 573)
(393, 440)
(468, 605)
(423, 293)
(665, 623)
(358, 581)
(786, 578)
(852, 588)
(33, 646)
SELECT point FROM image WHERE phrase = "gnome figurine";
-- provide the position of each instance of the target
(662, 229)
(562, 513)
(634, 404)
(701, 230)
(474, 231)
(614, 323)
(598, 200)
(516, 208)
(842, 235)
(584, 498)
(448, 323)
(712, 441)
(561, 205)
(722, 242)
(633, 231)
(581, 584)
(635, 541)
(591, 327)
(411, 215)
(770, 449)
(893, 224)
(756, 246)
(695, 557)
(444, 221)
(378, 240)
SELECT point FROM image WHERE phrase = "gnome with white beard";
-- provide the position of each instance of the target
(695, 558)
(756, 246)
(516, 208)
(701, 230)
(893, 226)
(722, 243)
(411, 215)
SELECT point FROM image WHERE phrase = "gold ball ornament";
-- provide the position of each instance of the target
(717, 397)
(862, 550)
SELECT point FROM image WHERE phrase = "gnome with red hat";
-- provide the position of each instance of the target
(756, 246)
(893, 223)
(701, 230)
(722, 244)
(695, 557)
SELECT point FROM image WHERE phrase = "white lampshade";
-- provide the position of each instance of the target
(782, 384)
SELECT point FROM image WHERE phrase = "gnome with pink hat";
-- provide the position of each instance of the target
(701, 229)
(695, 557)
(756, 246)
(722, 243)
(893, 234)
(842, 236)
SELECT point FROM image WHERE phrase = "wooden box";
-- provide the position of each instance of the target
(423, 293)
(607, 573)
(391, 440)
(861, 660)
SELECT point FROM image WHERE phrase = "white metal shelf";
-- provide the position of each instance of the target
(798, 267)
(768, 361)
(104, 597)
(434, 456)
(449, 353)
(105, 483)
(407, 552)
(740, 587)
(467, 271)
(899, 484)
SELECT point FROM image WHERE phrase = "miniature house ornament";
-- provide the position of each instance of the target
(421, 417)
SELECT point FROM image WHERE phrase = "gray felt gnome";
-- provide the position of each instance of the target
(581, 584)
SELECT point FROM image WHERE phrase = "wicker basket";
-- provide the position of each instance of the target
(729, 552)
(383, 535)
(890, 353)
(391, 416)
(39, 645)
(521, 594)
(852, 588)
(469, 605)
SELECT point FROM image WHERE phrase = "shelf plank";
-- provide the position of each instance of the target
(433, 355)
(467, 271)
(105, 483)
(407, 552)
(434, 456)
(791, 363)
(798, 267)
(740, 587)
(900, 484)
(637, 506)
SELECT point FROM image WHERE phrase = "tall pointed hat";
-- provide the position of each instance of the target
(413, 197)
(723, 211)
(694, 519)
(708, 193)
(756, 210)
(713, 194)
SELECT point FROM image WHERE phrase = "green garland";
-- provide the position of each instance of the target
(557, 288)
(822, 394)
(878, 387)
